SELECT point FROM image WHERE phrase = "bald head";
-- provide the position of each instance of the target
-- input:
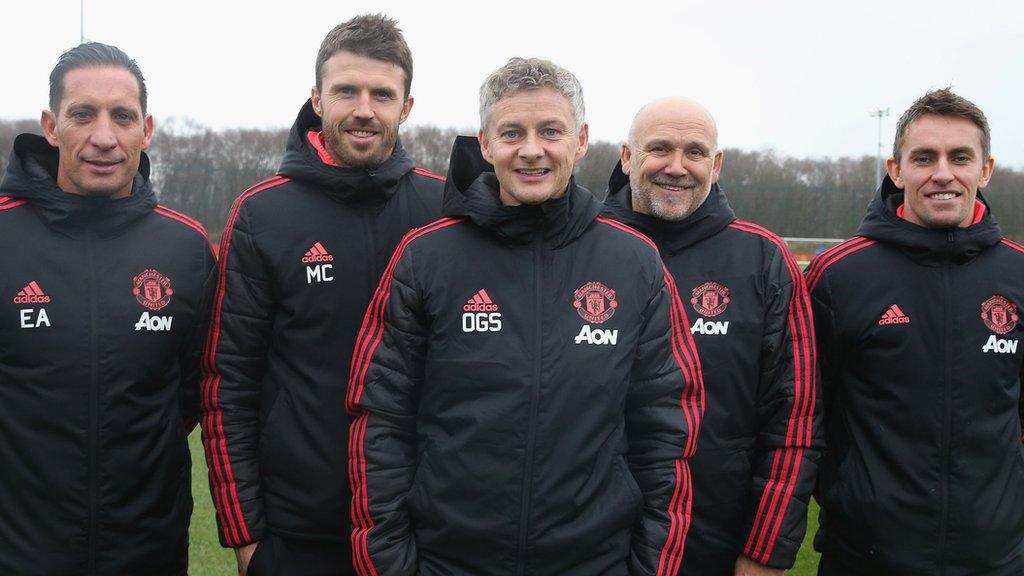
(672, 158)
(677, 109)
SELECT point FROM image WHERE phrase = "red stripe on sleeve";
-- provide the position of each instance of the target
(369, 338)
(833, 255)
(225, 492)
(684, 351)
(428, 174)
(786, 463)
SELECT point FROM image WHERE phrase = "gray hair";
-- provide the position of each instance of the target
(529, 74)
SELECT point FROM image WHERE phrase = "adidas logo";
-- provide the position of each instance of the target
(480, 302)
(317, 253)
(893, 316)
(31, 294)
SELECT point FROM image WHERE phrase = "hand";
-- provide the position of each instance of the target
(243, 555)
(747, 567)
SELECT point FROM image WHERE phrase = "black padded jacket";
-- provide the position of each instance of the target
(918, 333)
(524, 395)
(103, 313)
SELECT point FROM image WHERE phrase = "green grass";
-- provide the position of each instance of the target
(207, 558)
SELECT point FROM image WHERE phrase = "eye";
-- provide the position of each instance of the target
(920, 160)
(962, 159)
(696, 153)
(382, 95)
(550, 132)
(509, 134)
(658, 150)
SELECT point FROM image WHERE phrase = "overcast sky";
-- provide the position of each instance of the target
(799, 77)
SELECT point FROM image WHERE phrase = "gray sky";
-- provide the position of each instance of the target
(799, 77)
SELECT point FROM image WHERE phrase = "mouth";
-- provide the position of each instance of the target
(532, 173)
(674, 187)
(942, 195)
(102, 166)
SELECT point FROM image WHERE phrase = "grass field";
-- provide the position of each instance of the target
(207, 558)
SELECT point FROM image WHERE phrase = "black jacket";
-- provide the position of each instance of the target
(523, 394)
(300, 257)
(103, 315)
(918, 333)
(760, 440)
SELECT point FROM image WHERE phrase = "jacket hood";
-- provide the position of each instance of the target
(302, 163)
(933, 247)
(471, 190)
(709, 218)
(32, 176)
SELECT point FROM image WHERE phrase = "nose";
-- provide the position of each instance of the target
(363, 109)
(103, 135)
(943, 171)
(531, 148)
(676, 166)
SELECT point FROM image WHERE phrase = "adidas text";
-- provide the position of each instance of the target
(597, 335)
(40, 319)
(708, 327)
(1000, 345)
(319, 273)
(153, 323)
(481, 322)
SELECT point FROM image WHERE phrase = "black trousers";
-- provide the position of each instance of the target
(276, 556)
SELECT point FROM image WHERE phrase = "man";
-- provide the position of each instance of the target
(759, 442)
(917, 322)
(300, 257)
(104, 310)
(528, 406)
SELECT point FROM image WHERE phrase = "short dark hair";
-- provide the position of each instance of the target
(87, 55)
(371, 35)
(943, 102)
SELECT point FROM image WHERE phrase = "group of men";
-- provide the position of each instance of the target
(493, 373)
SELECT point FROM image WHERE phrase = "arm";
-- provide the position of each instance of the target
(190, 359)
(233, 366)
(386, 370)
(664, 408)
(789, 439)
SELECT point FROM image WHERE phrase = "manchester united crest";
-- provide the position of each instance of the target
(710, 299)
(152, 289)
(999, 314)
(594, 302)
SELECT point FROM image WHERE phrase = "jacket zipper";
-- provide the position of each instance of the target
(93, 407)
(947, 417)
(531, 438)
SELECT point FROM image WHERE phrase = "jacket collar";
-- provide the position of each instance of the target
(471, 190)
(32, 176)
(351, 185)
(931, 247)
(708, 219)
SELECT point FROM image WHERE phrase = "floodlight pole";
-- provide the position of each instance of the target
(879, 113)
(81, 22)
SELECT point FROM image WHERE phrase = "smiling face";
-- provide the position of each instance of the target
(532, 141)
(100, 131)
(940, 171)
(671, 158)
(361, 101)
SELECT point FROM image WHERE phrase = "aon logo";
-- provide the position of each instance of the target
(999, 345)
(597, 336)
(153, 323)
(707, 327)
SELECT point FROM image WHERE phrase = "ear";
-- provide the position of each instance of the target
(625, 157)
(147, 131)
(716, 170)
(893, 168)
(584, 140)
(314, 95)
(485, 145)
(48, 120)
(986, 172)
(406, 108)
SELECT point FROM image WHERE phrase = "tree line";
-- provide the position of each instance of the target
(200, 171)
